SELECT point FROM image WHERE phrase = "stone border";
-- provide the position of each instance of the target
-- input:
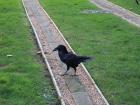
(45, 59)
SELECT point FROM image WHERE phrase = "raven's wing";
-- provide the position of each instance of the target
(71, 59)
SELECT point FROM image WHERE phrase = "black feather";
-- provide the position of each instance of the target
(70, 59)
(84, 58)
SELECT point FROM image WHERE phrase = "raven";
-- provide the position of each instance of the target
(70, 59)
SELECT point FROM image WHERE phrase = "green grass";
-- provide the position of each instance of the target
(113, 42)
(128, 4)
(22, 80)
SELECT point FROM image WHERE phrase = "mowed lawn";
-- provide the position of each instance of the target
(22, 75)
(128, 4)
(113, 42)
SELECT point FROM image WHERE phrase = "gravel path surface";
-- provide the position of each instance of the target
(119, 11)
(74, 90)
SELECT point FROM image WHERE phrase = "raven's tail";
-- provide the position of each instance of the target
(84, 58)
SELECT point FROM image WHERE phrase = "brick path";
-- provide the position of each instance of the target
(72, 90)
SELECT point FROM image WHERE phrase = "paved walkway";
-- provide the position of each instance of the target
(119, 11)
(72, 90)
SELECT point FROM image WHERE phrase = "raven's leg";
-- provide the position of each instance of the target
(75, 71)
(66, 71)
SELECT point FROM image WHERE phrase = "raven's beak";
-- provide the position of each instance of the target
(55, 49)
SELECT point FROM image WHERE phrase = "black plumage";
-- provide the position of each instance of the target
(70, 59)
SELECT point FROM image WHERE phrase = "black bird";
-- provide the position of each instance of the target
(70, 59)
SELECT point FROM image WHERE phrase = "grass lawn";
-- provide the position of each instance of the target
(128, 4)
(22, 80)
(113, 42)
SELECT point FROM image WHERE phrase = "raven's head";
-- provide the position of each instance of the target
(61, 48)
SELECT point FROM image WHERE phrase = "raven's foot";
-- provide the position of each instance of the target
(64, 74)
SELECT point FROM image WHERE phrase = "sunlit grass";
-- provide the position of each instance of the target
(22, 80)
(128, 4)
